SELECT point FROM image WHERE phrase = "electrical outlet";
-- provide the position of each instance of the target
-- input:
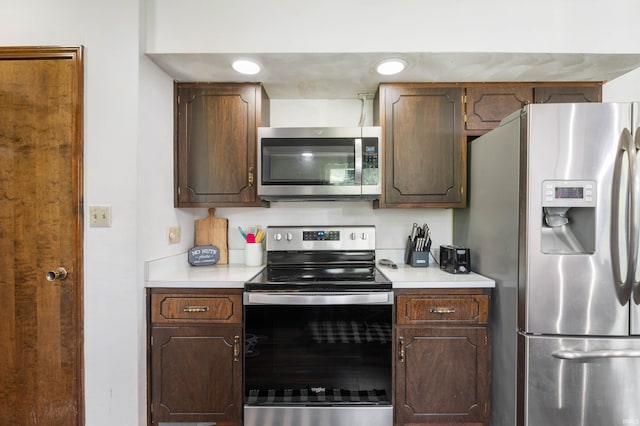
(100, 216)
(174, 235)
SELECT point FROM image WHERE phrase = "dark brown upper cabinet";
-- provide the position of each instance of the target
(486, 104)
(424, 150)
(215, 143)
(567, 94)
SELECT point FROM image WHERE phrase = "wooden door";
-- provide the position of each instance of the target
(41, 231)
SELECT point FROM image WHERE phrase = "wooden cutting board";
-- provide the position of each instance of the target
(212, 231)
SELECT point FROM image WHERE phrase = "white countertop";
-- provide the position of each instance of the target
(433, 277)
(176, 272)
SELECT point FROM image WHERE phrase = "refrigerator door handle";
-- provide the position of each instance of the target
(636, 196)
(594, 355)
(624, 286)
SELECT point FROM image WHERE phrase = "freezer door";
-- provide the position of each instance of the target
(587, 382)
(572, 290)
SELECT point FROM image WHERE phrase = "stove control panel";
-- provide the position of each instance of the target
(354, 237)
(320, 235)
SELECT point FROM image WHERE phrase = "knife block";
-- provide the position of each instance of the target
(417, 259)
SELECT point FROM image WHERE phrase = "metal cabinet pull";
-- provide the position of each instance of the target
(251, 177)
(236, 348)
(401, 349)
(195, 309)
(58, 274)
(442, 310)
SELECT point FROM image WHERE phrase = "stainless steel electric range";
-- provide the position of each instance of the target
(318, 331)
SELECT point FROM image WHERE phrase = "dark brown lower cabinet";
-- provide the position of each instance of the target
(442, 370)
(195, 368)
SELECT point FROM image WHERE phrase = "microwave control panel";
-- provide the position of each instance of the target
(370, 153)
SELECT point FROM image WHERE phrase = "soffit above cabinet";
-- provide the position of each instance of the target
(345, 75)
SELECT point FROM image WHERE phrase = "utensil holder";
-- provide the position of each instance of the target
(417, 259)
(253, 254)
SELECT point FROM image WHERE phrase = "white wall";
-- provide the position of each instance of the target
(109, 32)
(552, 26)
(625, 88)
(129, 120)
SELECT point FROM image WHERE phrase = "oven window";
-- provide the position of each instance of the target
(325, 355)
(317, 161)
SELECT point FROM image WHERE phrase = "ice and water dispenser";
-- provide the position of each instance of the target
(568, 217)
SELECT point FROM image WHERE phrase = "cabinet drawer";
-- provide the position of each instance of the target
(421, 309)
(195, 308)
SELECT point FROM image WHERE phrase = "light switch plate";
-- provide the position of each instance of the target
(100, 216)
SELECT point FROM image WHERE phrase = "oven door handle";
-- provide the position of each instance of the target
(326, 298)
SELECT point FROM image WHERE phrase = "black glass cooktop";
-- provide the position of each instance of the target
(315, 278)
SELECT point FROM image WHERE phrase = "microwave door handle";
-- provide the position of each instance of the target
(358, 161)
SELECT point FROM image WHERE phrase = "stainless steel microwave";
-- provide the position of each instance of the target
(319, 163)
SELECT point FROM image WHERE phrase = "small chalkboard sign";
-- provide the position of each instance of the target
(204, 255)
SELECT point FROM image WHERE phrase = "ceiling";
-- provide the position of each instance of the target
(346, 75)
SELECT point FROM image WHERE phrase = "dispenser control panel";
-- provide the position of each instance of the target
(569, 193)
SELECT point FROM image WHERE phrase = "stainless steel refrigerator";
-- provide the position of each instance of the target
(553, 216)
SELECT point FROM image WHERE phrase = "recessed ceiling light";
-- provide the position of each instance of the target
(391, 66)
(245, 66)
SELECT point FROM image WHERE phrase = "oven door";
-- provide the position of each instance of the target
(318, 359)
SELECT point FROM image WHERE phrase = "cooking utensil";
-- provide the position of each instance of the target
(388, 262)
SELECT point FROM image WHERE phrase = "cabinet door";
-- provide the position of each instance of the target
(442, 375)
(196, 374)
(215, 152)
(488, 105)
(425, 157)
(567, 94)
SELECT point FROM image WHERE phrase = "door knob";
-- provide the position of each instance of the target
(58, 274)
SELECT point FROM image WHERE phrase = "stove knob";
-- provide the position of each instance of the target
(277, 237)
(289, 236)
(364, 235)
(353, 235)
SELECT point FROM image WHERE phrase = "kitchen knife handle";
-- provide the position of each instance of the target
(400, 349)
